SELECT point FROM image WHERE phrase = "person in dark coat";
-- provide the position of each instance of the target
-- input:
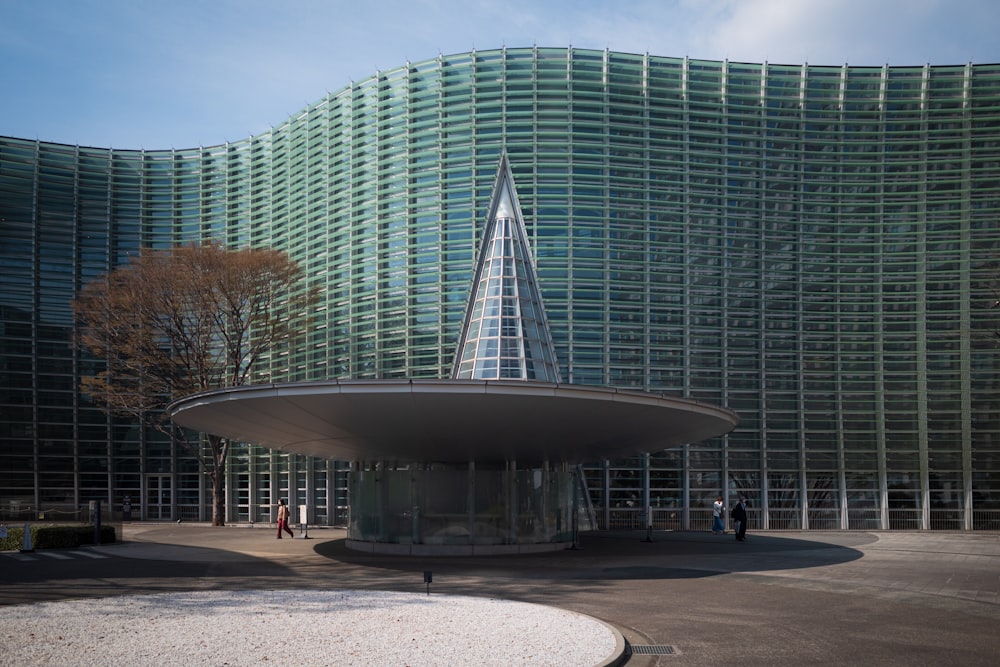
(739, 514)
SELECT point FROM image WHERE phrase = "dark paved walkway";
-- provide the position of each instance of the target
(781, 598)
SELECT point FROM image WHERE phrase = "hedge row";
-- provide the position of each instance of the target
(56, 537)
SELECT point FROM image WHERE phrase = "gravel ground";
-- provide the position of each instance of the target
(293, 627)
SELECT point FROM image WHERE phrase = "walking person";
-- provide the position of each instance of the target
(739, 515)
(283, 518)
(718, 512)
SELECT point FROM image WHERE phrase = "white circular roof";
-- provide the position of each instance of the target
(451, 420)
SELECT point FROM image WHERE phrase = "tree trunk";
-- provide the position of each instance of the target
(218, 497)
(220, 451)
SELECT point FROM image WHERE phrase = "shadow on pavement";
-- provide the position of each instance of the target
(160, 559)
(629, 555)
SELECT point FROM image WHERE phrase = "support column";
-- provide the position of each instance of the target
(883, 494)
(842, 492)
(606, 492)
(542, 513)
(512, 501)
(686, 490)
(381, 491)
(646, 505)
(275, 486)
(470, 499)
(803, 499)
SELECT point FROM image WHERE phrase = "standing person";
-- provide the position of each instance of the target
(739, 515)
(283, 518)
(718, 509)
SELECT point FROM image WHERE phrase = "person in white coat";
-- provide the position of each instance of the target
(718, 512)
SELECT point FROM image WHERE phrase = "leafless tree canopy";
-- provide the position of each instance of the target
(195, 317)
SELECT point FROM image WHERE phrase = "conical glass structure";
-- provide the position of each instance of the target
(505, 335)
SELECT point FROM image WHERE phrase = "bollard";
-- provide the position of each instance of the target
(26, 543)
(97, 521)
(304, 522)
(649, 524)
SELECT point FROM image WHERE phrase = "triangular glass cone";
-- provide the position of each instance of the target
(505, 335)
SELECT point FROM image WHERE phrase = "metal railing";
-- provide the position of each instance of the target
(784, 519)
(868, 518)
(824, 519)
(947, 519)
(50, 513)
(985, 519)
(616, 518)
(908, 519)
(633, 518)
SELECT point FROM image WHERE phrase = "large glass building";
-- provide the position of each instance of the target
(816, 248)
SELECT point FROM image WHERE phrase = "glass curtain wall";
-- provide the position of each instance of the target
(813, 247)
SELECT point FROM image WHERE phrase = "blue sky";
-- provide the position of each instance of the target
(185, 73)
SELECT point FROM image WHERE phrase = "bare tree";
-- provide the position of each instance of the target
(195, 317)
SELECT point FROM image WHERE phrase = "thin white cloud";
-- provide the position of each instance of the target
(858, 32)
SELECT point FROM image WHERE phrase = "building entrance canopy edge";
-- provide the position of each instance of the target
(451, 420)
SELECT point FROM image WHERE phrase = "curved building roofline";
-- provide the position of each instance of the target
(461, 58)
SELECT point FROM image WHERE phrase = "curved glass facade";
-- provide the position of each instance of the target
(813, 247)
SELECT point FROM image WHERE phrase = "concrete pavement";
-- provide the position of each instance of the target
(685, 598)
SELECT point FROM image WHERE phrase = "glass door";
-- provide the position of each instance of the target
(158, 498)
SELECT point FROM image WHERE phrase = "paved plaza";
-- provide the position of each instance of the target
(683, 598)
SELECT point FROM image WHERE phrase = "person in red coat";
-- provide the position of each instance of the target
(283, 518)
